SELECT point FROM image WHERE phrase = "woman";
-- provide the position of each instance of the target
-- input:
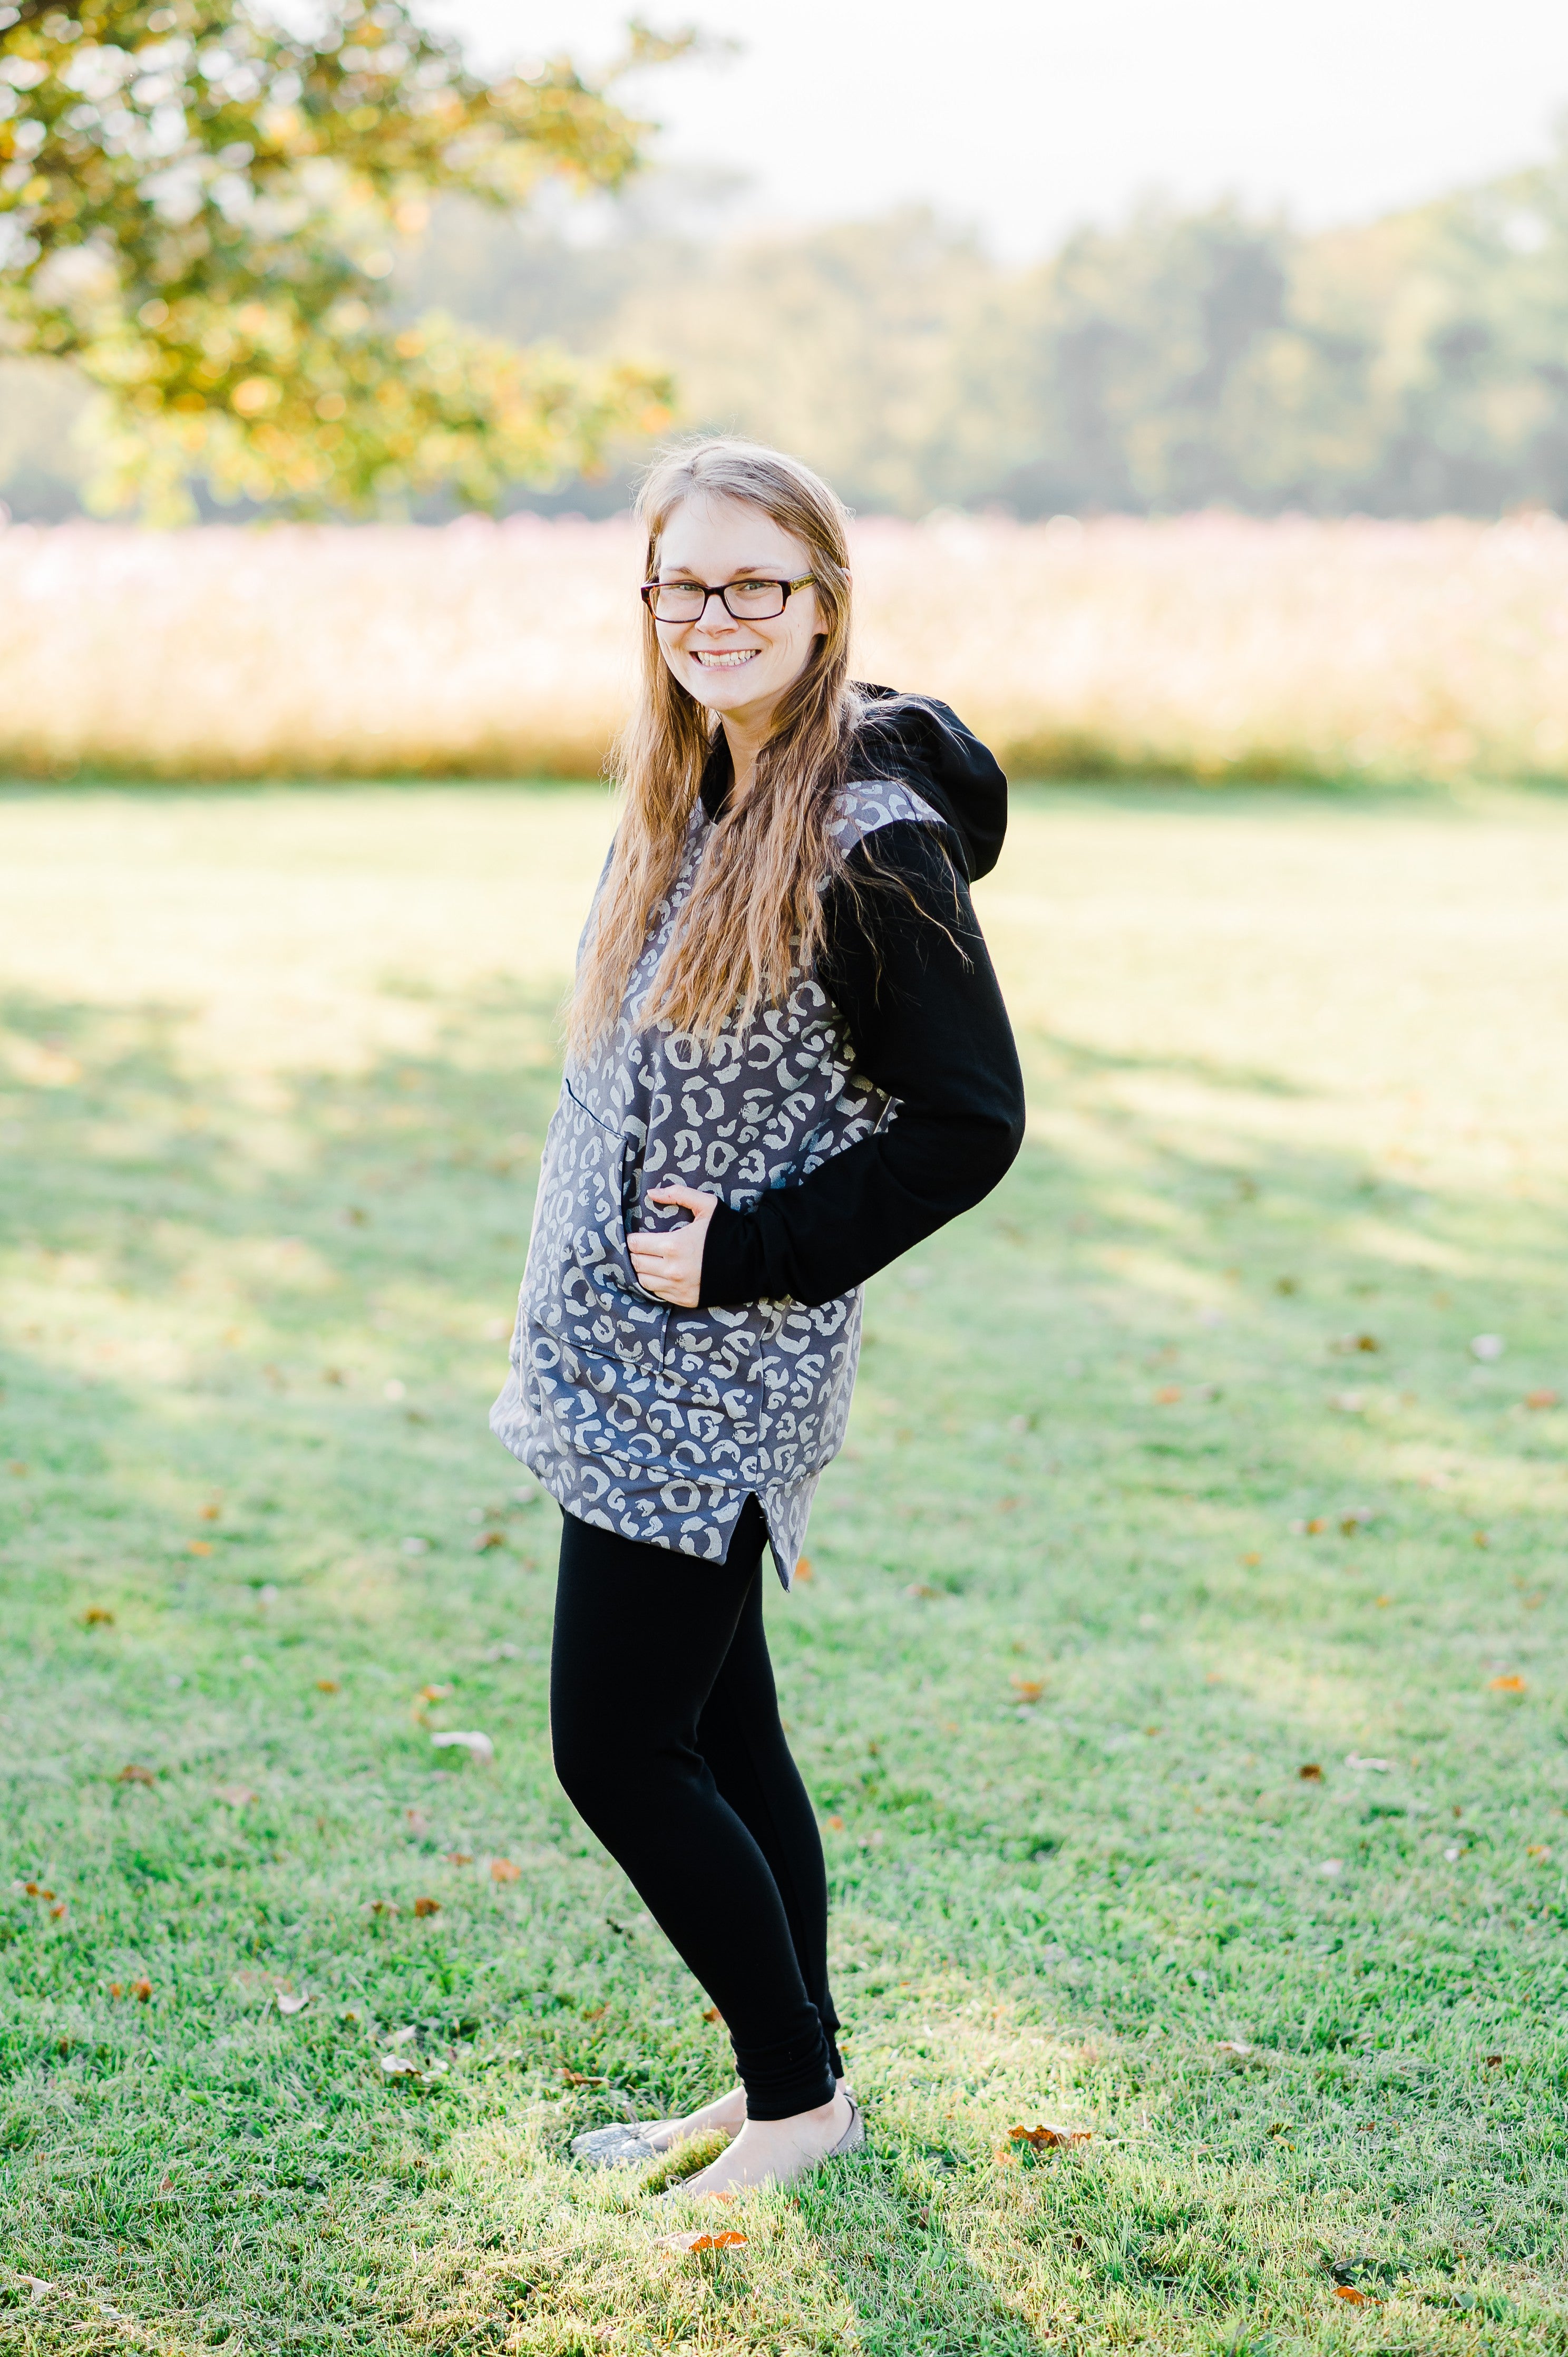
(787, 1061)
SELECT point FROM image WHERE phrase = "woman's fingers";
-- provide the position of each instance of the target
(687, 1199)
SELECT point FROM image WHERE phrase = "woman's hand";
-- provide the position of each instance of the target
(668, 1262)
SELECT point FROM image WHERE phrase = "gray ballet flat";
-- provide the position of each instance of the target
(614, 2147)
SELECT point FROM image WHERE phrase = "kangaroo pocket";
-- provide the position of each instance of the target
(580, 1287)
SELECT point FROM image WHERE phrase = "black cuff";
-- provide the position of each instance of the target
(732, 1261)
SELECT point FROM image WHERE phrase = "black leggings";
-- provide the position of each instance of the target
(664, 1723)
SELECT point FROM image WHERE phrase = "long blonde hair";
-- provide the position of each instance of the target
(755, 913)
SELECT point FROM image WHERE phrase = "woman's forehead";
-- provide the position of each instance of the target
(703, 531)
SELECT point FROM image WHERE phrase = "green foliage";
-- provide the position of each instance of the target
(1414, 366)
(200, 208)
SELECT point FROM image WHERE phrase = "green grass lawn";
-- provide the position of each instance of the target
(1179, 1678)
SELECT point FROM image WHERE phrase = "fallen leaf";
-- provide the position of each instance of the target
(725, 2240)
(483, 1539)
(1167, 1394)
(98, 1616)
(1349, 2292)
(238, 1796)
(803, 1567)
(116, 1988)
(1479, 1538)
(478, 1746)
(835, 1824)
(580, 2078)
(503, 1870)
(416, 1821)
(327, 1685)
(288, 2004)
(140, 1990)
(1493, 2060)
(212, 1513)
(37, 1890)
(459, 1857)
(1027, 1689)
(432, 1694)
(1542, 1398)
(382, 1907)
(920, 1589)
(1536, 1849)
(403, 2066)
(712, 2013)
(199, 1546)
(1310, 1774)
(132, 1774)
(428, 1907)
(1252, 1561)
(59, 1909)
(1509, 1684)
(1046, 2139)
(165, 2183)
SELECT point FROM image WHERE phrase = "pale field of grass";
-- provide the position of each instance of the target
(274, 1069)
(1205, 647)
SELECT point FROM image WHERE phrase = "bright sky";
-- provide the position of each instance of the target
(1025, 116)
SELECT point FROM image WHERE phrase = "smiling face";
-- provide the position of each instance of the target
(739, 669)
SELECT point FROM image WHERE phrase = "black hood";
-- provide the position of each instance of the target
(926, 744)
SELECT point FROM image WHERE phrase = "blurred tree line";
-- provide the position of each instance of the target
(1413, 366)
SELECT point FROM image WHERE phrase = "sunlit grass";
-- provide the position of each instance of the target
(1172, 1472)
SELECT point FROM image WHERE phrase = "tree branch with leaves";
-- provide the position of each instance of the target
(200, 209)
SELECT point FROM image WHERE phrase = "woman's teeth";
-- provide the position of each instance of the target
(713, 660)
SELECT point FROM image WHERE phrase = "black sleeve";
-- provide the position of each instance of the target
(906, 967)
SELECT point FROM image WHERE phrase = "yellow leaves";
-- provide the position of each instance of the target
(1541, 1850)
(1511, 1683)
(1167, 1394)
(428, 1907)
(1541, 1398)
(141, 1990)
(803, 1567)
(199, 1546)
(1028, 1690)
(98, 1616)
(329, 1685)
(724, 2239)
(458, 1856)
(1048, 2139)
(1356, 2298)
(133, 1774)
(503, 1870)
(254, 396)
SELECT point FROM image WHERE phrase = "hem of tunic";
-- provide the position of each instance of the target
(785, 1505)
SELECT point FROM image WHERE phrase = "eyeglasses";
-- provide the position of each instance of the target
(744, 601)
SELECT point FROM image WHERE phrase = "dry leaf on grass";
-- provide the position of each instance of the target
(1536, 1849)
(1044, 2140)
(485, 1540)
(37, 1890)
(705, 2239)
(142, 1991)
(288, 2003)
(580, 2078)
(1310, 1774)
(133, 1774)
(327, 1685)
(835, 1824)
(712, 2013)
(1542, 1398)
(199, 1546)
(503, 1870)
(1493, 2060)
(458, 1856)
(238, 1796)
(1167, 1395)
(1358, 2298)
(432, 1694)
(478, 1746)
(428, 1907)
(403, 2066)
(1027, 1689)
(803, 1567)
(98, 1616)
(1509, 1684)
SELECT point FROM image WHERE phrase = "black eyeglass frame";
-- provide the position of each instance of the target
(649, 590)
